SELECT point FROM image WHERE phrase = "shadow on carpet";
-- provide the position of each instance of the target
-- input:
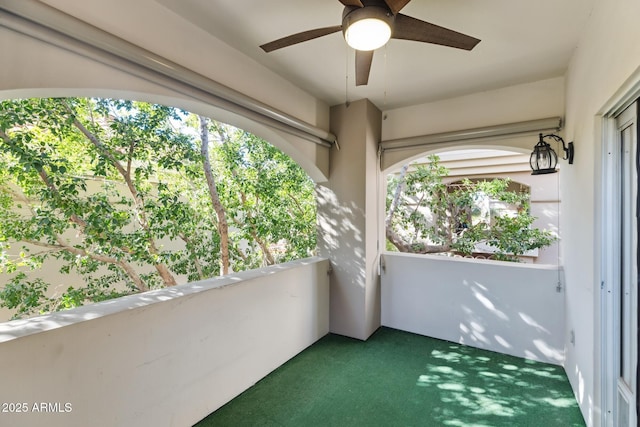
(401, 379)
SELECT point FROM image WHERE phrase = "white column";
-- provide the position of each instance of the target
(349, 218)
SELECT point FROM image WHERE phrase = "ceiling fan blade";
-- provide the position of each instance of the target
(356, 3)
(408, 28)
(299, 38)
(363, 66)
(396, 5)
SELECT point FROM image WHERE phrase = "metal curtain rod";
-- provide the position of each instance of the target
(511, 129)
(45, 23)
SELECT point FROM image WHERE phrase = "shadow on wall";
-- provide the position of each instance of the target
(516, 309)
(483, 325)
(339, 235)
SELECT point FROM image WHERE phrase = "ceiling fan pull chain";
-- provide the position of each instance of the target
(386, 79)
(346, 78)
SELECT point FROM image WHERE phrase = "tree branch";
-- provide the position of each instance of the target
(62, 246)
(44, 177)
(396, 195)
(194, 256)
(223, 226)
(161, 268)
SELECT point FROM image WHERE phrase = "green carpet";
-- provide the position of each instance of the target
(401, 379)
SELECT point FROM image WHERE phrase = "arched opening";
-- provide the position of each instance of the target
(473, 202)
(108, 197)
(309, 156)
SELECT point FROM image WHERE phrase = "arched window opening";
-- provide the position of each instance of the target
(101, 198)
(468, 203)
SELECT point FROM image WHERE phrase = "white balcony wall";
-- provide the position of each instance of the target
(163, 358)
(505, 307)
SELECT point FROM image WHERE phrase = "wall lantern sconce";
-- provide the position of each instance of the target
(544, 159)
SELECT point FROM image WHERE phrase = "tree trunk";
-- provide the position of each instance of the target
(397, 241)
(396, 196)
(400, 244)
(223, 226)
(394, 238)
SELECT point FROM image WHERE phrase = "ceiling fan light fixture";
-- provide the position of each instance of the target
(367, 28)
(368, 34)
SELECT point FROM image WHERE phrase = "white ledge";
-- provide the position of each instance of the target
(476, 261)
(23, 327)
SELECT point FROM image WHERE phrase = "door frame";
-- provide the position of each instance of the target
(607, 300)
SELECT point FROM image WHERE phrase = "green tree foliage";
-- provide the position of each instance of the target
(424, 215)
(114, 192)
(265, 192)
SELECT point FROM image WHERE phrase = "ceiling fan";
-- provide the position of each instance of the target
(369, 24)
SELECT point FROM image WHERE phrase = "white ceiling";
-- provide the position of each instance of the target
(522, 41)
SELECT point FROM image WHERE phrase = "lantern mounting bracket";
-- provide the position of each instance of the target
(567, 148)
(544, 159)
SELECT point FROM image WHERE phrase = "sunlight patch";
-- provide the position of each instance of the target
(425, 380)
(463, 424)
(449, 357)
(543, 373)
(447, 370)
(496, 409)
(561, 402)
(443, 369)
(488, 374)
(451, 387)
(502, 341)
(491, 407)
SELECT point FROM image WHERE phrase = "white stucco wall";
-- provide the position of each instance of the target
(606, 57)
(163, 358)
(512, 104)
(505, 307)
